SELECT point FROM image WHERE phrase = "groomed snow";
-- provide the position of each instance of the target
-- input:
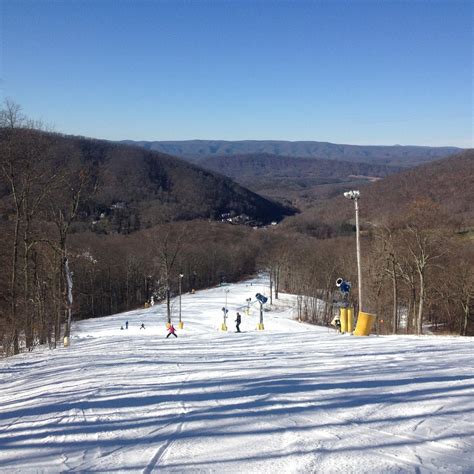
(292, 398)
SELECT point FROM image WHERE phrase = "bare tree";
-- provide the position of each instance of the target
(11, 115)
(386, 246)
(167, 244)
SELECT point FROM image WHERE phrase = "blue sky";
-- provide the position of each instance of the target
(361, 72)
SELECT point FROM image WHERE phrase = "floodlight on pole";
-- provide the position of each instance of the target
(354, 195)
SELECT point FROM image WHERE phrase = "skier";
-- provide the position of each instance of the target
(142, 326)
(126, 324)
(171, 330)
(238, 321)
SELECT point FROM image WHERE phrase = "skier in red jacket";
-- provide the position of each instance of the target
(171, 330)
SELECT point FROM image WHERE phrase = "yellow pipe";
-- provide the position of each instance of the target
(364, 325)
(350, 319)
(343, 317)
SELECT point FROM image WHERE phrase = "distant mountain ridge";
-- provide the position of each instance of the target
(259, 166)
(196, 150)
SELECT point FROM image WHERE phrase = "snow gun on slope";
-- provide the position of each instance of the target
(262, 300)
(346, 316)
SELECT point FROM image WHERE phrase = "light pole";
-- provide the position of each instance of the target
(180, 322)
(354, 196)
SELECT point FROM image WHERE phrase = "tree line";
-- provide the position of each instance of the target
(417, 272)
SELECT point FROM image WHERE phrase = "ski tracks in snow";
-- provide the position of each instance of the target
(404, 455)
(292, 398)
(162, 450)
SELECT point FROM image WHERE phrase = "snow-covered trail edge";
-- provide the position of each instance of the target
(292, 398)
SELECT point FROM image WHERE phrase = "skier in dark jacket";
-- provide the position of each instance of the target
(238, 321)
(171, 330)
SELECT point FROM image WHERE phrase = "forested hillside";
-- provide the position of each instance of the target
(388, 155)
(447, 183)
(135, 188)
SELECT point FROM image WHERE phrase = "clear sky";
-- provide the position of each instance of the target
(361, 72)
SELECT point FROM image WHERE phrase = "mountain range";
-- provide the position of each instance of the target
(196, 150)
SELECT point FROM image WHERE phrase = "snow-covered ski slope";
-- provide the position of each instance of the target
(292, 398)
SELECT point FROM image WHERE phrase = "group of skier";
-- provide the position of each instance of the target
(172, 329)
(126, 326)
